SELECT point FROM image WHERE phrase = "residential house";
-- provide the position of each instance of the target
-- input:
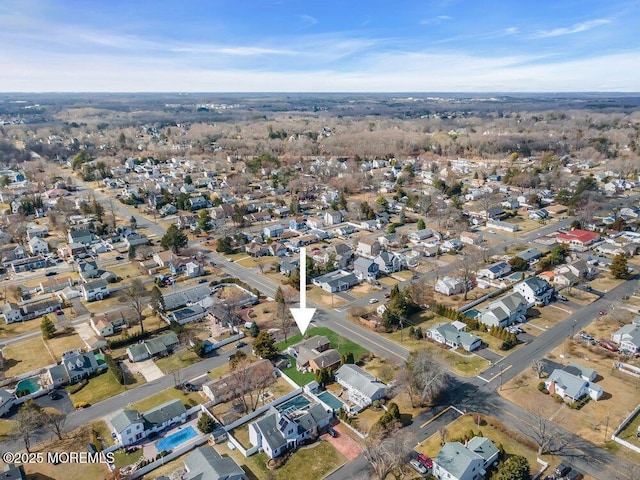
(451, 286)
(194, 313)
(256, 249)
(535, 291)
(227, 387)
(342, 252)
(198, 203)
(298, 224)
(314, 353)
(273, 231)
(336, 281)
(13, 472)
(205, 463)
(365, 269)
(95, 290)
(168, 209)
(345, 230)
(451, 245)
(156, 347)
(54, 284)
(11, 312)
(88, 269)
(465, 462)
(28, 264)
(362, 387)
(131, 426)
(369, 247)
(288, 267)
(6, 402)
(500, 225)
(510, 203)
(36, 230)
(504, 311)
(277, 432)
(36, 307)
(37, 246)
(494, 271)
(74, 366)
(136, 239)
(111, 323)
(332, 217)
(452, 334)
(277, 249)
(303, 240)
(587, 374)
(571, 387)
(628, 337)
(187, 296)
(471, 238)
(82, 236)
(578, 240)
(530, 255)
(257, 217)
(419, 235)
(388, 262)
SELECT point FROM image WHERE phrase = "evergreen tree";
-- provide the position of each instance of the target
(47, 327)
(515, 467)
(264, 345)
(206, 424)
(131, 253)
(174, 239)
(254, 330)
(619, 267)
(421, 225)
(204, 221)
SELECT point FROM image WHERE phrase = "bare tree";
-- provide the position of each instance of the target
(387, 452)
(135, 295)
(538, 367)
(423, 378)
(444, 433)
(249, 382)
(29, 422)
(550, 440)
(421, 292)
(467, 267)
(55, 422)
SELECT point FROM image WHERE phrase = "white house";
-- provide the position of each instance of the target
(496, 270)
(450, 286)
(95, 290)
(452, 334)
(628, 337)
(362, 387)
(571, 387)
(131, 426)
(37, 246)
(504, 311)
(11, 312)
(535, 290)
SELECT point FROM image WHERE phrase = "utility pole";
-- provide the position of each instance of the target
(500, 377)
(606, 430)
(401, 328)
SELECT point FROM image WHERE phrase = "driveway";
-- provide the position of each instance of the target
(343, 442)
(487, 354)
(86, 332)
(78, 307)
(148, 369)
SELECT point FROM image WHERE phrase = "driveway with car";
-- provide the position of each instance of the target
(343, 442)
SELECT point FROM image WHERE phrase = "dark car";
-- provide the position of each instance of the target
(562, 470)
(54, 395)
(574, 475)
(59, 312)
(119, 257)
(241, 344)
(203, 280)
(332, 432)
(51, 274)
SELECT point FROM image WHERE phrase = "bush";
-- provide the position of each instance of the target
(206, 424)
(542, 387)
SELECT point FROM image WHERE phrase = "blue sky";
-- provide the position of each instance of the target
(328, 46)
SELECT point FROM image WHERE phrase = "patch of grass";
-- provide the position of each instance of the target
(389, 281)
(325, 299)
(177, 361)
(102, 387)
(315, 461)
(402, 275)
(301, 378)
(26, 356)
(629, 432)
(103, 431)
(62, 343)
(12, 329)
(367, 419)
(460, 427)
(6, 428)
(190, 399)
(122, 458)
(242, 435)
(337, 341)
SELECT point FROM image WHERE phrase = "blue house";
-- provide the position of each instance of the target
(366, 269)
(273, 231)
(297, 224)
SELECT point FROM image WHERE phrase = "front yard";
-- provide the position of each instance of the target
(102, 387)
(325, 299)
(338, 342)
(177, 361)
(26, 356)
(190, 399)
(549, 315)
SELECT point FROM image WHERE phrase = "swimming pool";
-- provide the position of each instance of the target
(331, 400)
(175, 439)
(296, 403)
(32, 384)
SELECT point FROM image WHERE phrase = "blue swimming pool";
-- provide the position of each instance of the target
(31, 384)
(175, 439)
(296, 403)
(331, 400)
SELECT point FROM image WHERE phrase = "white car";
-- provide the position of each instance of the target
(418, 467)
(373, 300)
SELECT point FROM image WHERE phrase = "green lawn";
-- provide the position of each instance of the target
(311, 463)
(102, 387)
(628, 433)
(177, 361)
(190, 399)
(337, 341)
(103, 431)
(121, 458)
(301, 378)
(6, 428)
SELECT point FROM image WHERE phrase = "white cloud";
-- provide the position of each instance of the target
(435, 20)
(575, 28)
(307, 20)
(511, 30)
(240, 51)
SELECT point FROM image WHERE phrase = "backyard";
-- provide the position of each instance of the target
(26, 356)
(63, 342)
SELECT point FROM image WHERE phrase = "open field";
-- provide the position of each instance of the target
(579, 296)
(605, 282)
(25, 356)
(324, 299)
(63, 343)
(8, 330)
(549, 315)
(189, 399)
(362, 290)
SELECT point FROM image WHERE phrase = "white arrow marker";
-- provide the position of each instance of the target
(303, 315)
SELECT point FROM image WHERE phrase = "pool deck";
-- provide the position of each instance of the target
(149, 449)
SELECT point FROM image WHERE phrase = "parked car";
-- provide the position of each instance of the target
(418, 467)
(424, 460)
(574, 475)
(373, 300)
(54, 395)
(203, 280)
(602, 312)
(241, 344)
(332, 432)
(585, 336)
(562, 470)
(387, 295)
(562, 298)
(59, 312)
(608, 345)
(51, 274)
(119, 257)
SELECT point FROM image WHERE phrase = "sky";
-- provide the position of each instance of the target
(327, 46)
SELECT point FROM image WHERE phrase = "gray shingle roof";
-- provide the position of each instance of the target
(164, 412)
(205, 463)
(359, 379)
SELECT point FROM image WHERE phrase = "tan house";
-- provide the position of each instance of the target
(315, 353)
